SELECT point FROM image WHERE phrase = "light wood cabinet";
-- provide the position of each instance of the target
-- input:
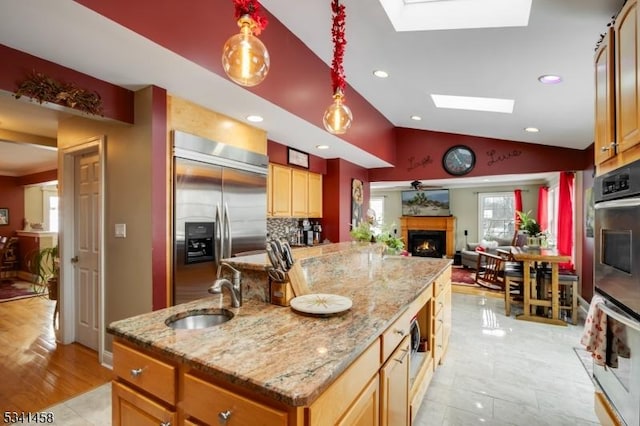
(617, 65)
(365, 409)
(299, 193)
(279, 197)
(129, 407)
(293, 193)
(394, 386)
(315, 195)
(605, 100)
(442, 316)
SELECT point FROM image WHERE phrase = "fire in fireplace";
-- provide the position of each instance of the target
(427, 243)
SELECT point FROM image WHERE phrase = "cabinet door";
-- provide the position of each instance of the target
(280, 191)
(270, 191)
(394, 387)
(299, 193)
(605, 100)
(130, 408)
(364, 411)
(627, 77)
(315, 195)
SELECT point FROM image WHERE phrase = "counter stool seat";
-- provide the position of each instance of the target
(514, 287)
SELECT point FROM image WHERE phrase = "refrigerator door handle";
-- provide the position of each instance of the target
(227, 227)
(218, 237)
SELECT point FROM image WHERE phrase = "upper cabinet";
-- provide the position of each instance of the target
(617, 79)
(293, 192)
(605, 100)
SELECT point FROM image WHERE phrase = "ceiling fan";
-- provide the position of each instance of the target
(419, 186)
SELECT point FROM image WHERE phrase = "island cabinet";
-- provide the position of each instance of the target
(442, 317)
(617, 80)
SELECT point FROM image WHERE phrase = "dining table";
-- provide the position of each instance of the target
(534, 258)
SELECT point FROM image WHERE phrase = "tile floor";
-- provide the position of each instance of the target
(498, 371)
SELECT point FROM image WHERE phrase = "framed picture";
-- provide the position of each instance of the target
(357, 198)
(4, 216)
(298, 158)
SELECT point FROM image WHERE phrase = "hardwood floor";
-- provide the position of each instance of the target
(35, 371)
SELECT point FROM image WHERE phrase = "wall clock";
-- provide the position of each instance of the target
(459, 160)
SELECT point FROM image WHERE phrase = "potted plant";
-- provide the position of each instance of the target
(362, 232)
(531, 227)
(394, 244)
(45, 268)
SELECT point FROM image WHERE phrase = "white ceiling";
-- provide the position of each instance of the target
(498, 62)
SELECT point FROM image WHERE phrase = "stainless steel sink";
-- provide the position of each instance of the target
(197, 319)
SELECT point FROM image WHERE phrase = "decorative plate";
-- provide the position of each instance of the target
(321, 304)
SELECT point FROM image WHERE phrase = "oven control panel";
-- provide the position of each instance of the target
(616, 183)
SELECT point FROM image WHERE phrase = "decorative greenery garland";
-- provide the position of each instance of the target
(251, 8)
(45, 89)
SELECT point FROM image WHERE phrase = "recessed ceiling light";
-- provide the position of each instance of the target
(255, 118)
(322, 146)
(531, 129)
(550, 79)
(473, 103)
(416, 118)
(381, 74)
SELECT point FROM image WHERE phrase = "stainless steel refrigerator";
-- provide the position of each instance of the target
(219, 209)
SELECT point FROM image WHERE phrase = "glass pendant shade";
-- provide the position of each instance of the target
(337, 118)
(245, 58)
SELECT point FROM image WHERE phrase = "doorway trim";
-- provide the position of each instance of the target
(67, 330)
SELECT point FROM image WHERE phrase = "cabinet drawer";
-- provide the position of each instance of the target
(129, 408)
(441, 301)
(392, 337)
(439, 345)
(442, 282)
(206, 401)
(154, 376)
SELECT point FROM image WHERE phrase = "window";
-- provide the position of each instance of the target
(50, 208)
(496, 215)
(377, 205)
(552, 215)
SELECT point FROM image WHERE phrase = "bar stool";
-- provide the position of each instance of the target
(568, 289)
(514, 287)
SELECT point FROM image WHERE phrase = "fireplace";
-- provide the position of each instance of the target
(444, 226)
(427, 243)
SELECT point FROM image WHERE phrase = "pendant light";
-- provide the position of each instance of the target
(245, 58)
(337, 117)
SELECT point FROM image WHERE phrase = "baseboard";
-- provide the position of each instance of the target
(107, 359)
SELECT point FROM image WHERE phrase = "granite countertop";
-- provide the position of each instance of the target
(279, 353)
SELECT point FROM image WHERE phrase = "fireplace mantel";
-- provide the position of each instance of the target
(431, 223)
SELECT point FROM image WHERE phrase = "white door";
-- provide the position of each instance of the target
(86, 274)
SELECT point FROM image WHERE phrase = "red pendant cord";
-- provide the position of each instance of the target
(339, 42)
(251, 8)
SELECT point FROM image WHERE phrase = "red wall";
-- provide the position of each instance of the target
(419, 156)
(278, 154)
(298, 80)
(12, 198)
(41, 177)
(336, 198)
(16, 65)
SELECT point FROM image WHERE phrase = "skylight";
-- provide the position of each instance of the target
(474, 104)
(422, 15)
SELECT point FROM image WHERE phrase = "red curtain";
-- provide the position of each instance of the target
(565, 216)
(517, 198)
(543, 204)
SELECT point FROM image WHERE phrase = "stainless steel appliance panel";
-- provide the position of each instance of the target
(197, 192)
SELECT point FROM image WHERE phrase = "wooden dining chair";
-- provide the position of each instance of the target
(490, 271)
(8, 258)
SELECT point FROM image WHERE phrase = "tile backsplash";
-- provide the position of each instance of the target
(280, 228)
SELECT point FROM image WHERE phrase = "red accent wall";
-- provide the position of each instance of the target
(298, 80)
(12, 198)
(16, 65)
(336, 198)
(159, 202)
(278, 154)
(42, 177)
(419, 156)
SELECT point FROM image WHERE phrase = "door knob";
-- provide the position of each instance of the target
(74, 259)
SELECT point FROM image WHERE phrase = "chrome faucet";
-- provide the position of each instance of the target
(234, 287)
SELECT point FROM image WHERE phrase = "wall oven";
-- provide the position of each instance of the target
(617, 279)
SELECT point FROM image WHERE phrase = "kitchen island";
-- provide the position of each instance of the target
(277, 366)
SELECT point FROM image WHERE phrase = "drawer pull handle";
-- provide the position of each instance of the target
(398, 331)
(165, 424)
(224, 416)
(440, 321)
(135, 372)
(401, 360)
(440, 304)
